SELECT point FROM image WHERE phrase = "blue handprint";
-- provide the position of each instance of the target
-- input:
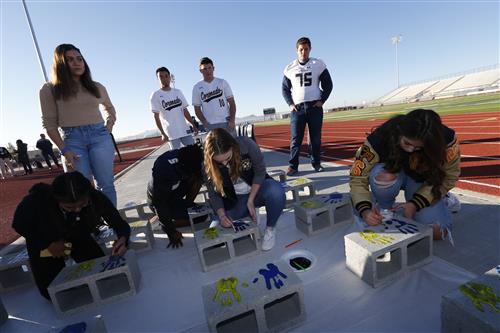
(272, 273)
(198, 208)
(333, 198)
(404, 227)
(239, 226)
(112, 263)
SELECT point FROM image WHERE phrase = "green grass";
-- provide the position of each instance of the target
(456, 105)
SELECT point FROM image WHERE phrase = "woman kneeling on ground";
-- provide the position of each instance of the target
(413, 152)
(58, 220)
(237, 182)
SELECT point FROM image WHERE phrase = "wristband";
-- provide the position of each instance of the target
(64, 150)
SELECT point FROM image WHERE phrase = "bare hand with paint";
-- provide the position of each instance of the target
(372, 216)
(119, 246)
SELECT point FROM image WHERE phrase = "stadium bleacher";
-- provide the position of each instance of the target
(481, 80)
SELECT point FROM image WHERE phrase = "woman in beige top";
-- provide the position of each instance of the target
(70, 104)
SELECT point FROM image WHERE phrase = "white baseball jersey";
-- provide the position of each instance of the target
(212, 97)
(170, 105)
(305, 79)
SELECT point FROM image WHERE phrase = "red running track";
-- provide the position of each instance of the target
(478, 134)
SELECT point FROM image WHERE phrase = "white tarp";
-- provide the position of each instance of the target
(169, 299)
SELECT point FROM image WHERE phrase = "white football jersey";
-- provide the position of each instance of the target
(212, 97)
(170, 105)
(305, 79)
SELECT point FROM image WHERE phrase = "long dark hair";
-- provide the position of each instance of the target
(71, 187)
(64, 84)
(219, 141)
(420, 124)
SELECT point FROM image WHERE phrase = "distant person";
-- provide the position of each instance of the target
(71, 102)
(5, 163)
(45, 147)
(213, 100)
(237, 182)
(170, 105)
(23, 157)
(57, 221)
(306, 87)
(415, 153)
(175, 182)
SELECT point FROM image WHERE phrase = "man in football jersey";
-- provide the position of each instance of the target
(213, 99)
(306, 87)
(171, 105)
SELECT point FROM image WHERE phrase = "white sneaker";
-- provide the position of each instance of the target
(452, 202)
(269, 239)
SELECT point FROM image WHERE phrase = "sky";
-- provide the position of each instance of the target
(250, 43)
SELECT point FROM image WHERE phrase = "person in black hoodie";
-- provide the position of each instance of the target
(175, 182)
(58, 220)
(237, 182)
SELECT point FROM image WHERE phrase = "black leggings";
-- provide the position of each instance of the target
(45, 270)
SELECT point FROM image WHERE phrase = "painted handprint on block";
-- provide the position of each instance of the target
(404, 227)
(272, 274)
(481, 295)
(112, 263)
(226, 291)
(333, 198)
(239, 226)
(211, 233)
(374, 238)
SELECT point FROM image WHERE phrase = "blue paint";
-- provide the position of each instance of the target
(80, 327)
(273, 274)
(239, 226)
(112, 263)
(405, 227)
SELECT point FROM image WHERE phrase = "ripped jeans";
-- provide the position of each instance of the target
(437, 213)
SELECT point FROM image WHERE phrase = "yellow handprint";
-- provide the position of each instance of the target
(374, 238)
(311, 204)
(211, 233)
(80, 269)
(299, 181)
(224, 289)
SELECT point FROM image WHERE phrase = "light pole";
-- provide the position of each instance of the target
(172, 80)
(35, 42)
(396, 40)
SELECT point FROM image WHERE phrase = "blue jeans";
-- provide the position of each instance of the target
(271, 194)
(313, 117)
(181, 142)
(94, 146)
(435, 214)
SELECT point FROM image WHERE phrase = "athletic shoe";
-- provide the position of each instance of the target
(291, 172)
(452, 202)
(318, 168)
(269, 239)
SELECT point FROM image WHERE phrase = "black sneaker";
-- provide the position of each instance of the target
(291, 172)
(319, 168)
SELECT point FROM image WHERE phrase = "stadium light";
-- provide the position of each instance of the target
(396, 40)
(172, 80)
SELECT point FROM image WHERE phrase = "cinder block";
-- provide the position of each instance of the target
(278, 175)
(267, 299)
(198, 211)
(202, 195)
(141, 237)
(95, 282)
(384, 252)
(133, 212)
(297, 190)
(15, 271)
(323, 212)
(473, 306)
(219, 246)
